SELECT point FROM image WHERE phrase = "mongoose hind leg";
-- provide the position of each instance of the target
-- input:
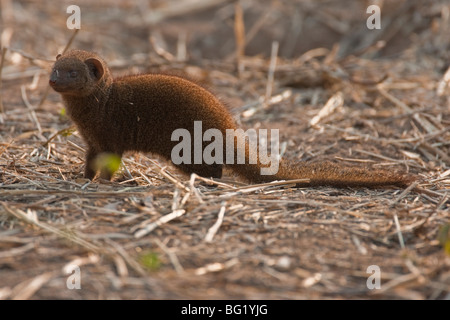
(203, 170)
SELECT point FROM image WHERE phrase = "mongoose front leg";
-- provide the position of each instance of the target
(89, 170)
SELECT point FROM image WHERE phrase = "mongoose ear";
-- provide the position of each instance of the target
(95, 67)
(58, 56)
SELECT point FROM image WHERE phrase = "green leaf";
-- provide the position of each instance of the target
(150, 260)
(444, 237)
(108, 161)
(67, 132)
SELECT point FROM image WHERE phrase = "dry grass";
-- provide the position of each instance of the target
(153, 233)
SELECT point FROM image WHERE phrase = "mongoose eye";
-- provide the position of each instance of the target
(73, 74)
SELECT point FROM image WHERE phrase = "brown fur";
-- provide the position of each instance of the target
(140, 112)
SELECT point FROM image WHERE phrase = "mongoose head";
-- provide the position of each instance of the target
(78, 73)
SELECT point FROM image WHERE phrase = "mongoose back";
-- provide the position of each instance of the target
(140, 113)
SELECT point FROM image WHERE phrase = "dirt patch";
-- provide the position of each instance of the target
(154, 233)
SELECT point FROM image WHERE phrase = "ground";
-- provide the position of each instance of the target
(154, 233)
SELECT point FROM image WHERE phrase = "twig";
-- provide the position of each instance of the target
(379, 156)
(169, 177)
(69, 43)
(172, 257)
(17, 251)
(273, 183)
(30, 108)
(27, 288)
(156, 40)
(193, 189)
(336, 101)
(213, 230)
(444, 83)
(405, 192)
(74, 192)
(395, 282)
(164, 219)
(182, 46)
(2, 59)
(399, 232)
(216, 266)
(29, 218)
(256, 27)
(271, 74)
(239, 35)
(212, 182)
(427, 125)
(125, 256)
(28, 56)
(68, 129)
(179, 8)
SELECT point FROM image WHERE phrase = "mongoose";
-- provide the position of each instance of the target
(140, 113)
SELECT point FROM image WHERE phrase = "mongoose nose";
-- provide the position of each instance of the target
(53, 78)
